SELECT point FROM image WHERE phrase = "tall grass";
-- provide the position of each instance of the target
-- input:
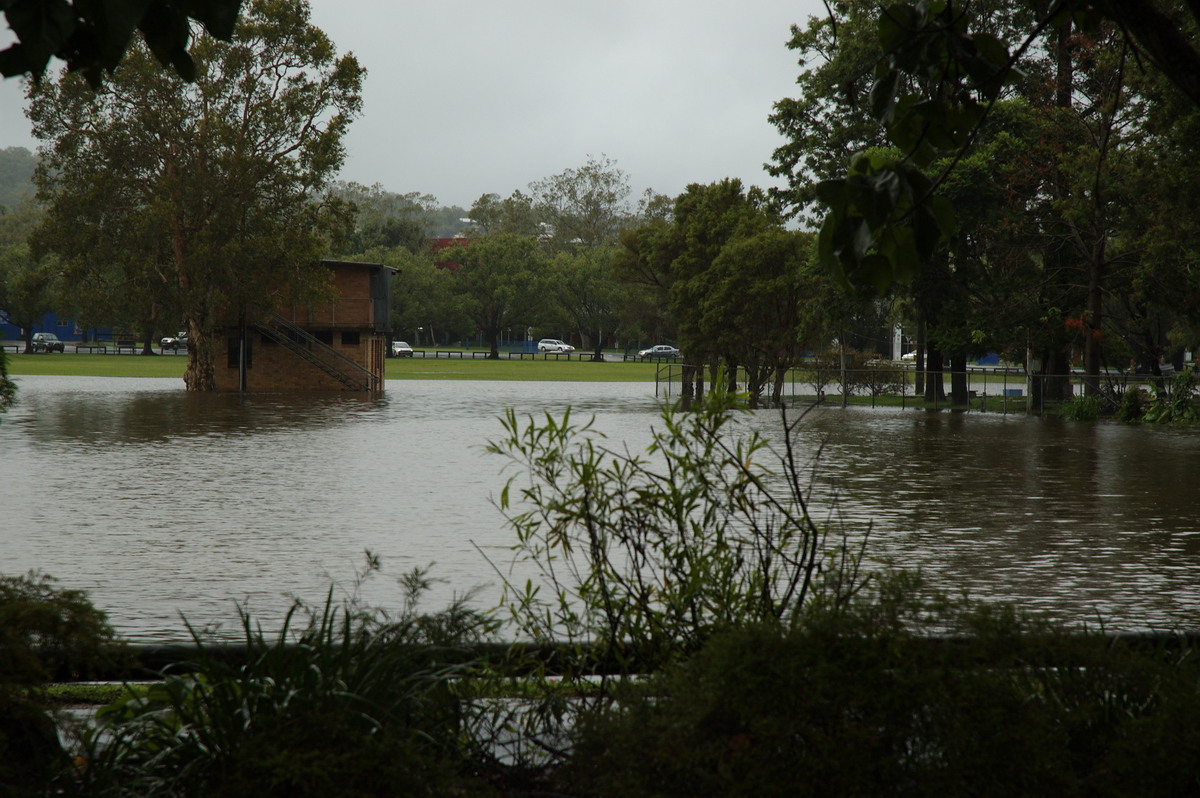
(343, 701)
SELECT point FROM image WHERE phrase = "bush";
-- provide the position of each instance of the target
(1080, 408)
(867, 702)
(351, 703)
(1131, 406)
(644, 556)
(45, 633)
(1176, 405)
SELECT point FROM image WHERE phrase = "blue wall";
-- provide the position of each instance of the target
(64, 328)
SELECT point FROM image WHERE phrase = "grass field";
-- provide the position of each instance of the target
(96, 365)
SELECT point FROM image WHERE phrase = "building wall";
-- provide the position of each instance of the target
(274, 368)
(347, 324)
(352, 308)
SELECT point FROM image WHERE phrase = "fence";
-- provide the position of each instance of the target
(987, 388)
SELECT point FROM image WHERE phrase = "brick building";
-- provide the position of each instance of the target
(332, 346)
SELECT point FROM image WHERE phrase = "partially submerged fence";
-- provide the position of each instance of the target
(1002, 389)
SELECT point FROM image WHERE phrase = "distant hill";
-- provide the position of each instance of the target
(16, 175)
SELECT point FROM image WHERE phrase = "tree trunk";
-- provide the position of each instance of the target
(935, 390)
(959, 395)
(919, 386)
(200, 374)
(1057, 382)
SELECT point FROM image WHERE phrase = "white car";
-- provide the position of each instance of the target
(660, 351)
(176, 343)
(554, 345)
(401, 349)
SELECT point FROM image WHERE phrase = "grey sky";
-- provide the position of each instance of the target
(466, 97)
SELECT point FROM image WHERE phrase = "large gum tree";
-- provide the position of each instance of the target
(209, 196)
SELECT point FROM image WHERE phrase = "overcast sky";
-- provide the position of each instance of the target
(466, 97)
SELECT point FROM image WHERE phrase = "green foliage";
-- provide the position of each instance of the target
(8, 388)
(1131, 406)
(502, 282)
(16, 175)
(384, 219)
(645, 556)
(168, 201)
(345, 701)
(1080, 408)
(884, 223)
(895, 694)
(45, 633)
(585, 207)
(1174, 406)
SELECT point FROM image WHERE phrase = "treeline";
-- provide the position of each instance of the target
(1022, 179)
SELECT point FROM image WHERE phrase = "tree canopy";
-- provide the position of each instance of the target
(938, 67)
(199, 202)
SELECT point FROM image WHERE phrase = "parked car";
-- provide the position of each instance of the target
(554, 345)
(47, 342)
(401, 349)
(176, 343)
(660, 351)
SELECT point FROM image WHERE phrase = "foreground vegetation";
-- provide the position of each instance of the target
(690, 630)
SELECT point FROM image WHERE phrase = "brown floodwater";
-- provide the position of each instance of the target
(165, 505)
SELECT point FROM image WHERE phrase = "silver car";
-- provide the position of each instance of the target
(554, 345)
(660, 351)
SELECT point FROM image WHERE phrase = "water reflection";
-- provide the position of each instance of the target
(159, 502)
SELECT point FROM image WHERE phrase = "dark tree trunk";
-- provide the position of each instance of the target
(935, 390)
(959, 396)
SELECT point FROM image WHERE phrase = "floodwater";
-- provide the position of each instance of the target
(164, 505)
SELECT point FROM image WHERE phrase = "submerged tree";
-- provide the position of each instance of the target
(202, 195)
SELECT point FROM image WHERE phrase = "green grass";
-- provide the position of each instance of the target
(417, 368)
(97, 693)
(530, 370)
(72, 365)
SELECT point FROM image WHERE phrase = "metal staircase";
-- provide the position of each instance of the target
(318, 353)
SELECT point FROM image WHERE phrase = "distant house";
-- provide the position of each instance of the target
(338, 345)
(443, 250)
(65, 329)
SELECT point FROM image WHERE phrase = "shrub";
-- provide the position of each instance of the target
(46, 633)
(1175, 405)
(643, 556)
(867, 702)
(1080, 408)
(350, 702)
(1130, 407)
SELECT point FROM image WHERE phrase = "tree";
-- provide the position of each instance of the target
(26, 289)
(935, 80)
(515, 215)
(587, 290)
(92, 37)
(586, 206)
(16, 175)
(205, 190)
(386, 219)
(502, 282)
(754, 303)
(423, 294)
